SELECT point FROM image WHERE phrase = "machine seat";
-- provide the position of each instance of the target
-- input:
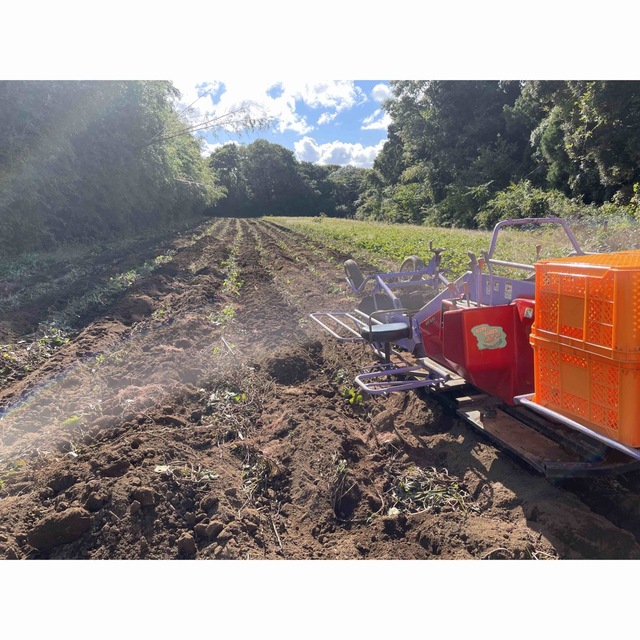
(389, 332)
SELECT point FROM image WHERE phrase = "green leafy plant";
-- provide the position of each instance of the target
(16, 360)
(159, 314)
(232, 283)
(73, 421)
(258, 474)
(385, 245)
(163, 259)
(225, 396)
(341, 375)
(53, 337)
(353, 396)
(222, 317)
(15, 466)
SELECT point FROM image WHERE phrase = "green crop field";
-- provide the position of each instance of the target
(374, 241)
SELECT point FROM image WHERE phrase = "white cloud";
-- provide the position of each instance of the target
(207, 148)
(276, 99)
(381, 92)
(377, 120)
(327, 117)
(341, 153)
(307, 150)
(191, 94)
(337, 94)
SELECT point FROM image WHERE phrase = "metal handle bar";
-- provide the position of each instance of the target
(522, 221)
(514, 265)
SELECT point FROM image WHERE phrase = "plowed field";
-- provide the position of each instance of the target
(199, 413)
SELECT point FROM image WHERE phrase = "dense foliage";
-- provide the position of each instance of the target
(84, 160)
(464, 153)
(263, 178)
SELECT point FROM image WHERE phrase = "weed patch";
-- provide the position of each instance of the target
(186, 472)
(434, 490)
(417, 490)
(17, 360)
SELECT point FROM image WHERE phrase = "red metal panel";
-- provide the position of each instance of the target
(489, 347)
(431, 334)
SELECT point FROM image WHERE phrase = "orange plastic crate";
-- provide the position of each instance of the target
(591, 303)
(598, 392)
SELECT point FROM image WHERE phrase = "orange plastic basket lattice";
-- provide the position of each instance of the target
(598, 392)
(591, 303)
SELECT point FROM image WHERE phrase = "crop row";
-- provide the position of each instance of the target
(397, 241)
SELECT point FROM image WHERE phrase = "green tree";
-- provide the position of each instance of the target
(274, 182)
(264, 178)
(604, 136)
(584, 136)
(372, 197)
(390, 163)
(456, 133)
(347, 186)
(227, 164)
(90, 159)
(317, 193)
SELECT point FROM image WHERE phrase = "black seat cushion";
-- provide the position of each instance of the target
(389, 332)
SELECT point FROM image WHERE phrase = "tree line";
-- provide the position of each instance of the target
(467, 153)
(81, 160)
(263, 178)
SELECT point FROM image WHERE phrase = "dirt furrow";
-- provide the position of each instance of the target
(202, 414)
(153, 346)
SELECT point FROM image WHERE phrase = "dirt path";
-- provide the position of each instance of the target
(202, 414)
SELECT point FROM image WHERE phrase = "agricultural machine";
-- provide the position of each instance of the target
(542, 358)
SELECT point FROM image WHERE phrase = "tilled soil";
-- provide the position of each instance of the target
(202, 414)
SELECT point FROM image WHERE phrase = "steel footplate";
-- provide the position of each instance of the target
(388, 378)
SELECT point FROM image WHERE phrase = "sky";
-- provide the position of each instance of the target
(325, 122)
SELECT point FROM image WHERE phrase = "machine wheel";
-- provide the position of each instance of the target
(353, 273)
(412, 263)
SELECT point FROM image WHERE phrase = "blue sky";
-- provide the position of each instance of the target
(326, 122)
